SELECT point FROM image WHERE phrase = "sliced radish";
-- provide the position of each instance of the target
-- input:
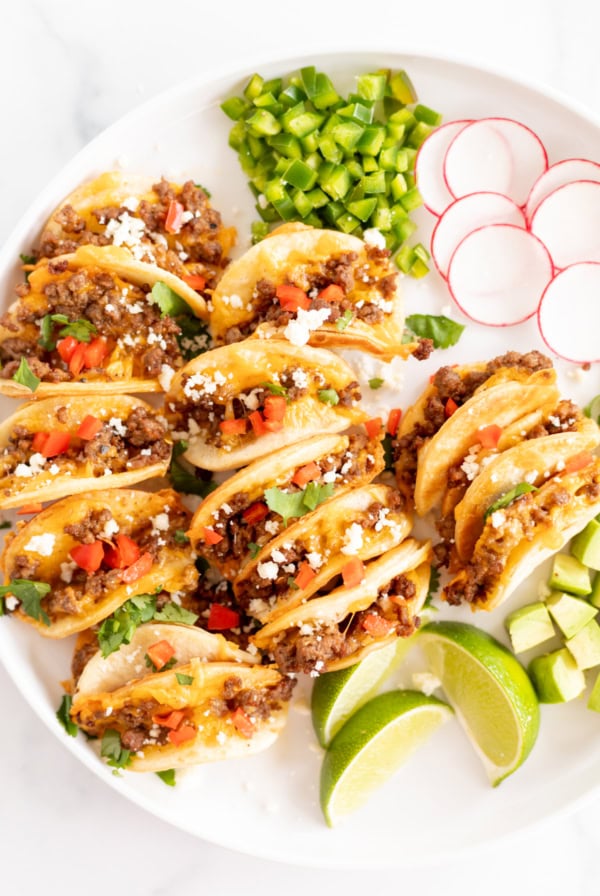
(429, 166)
(568, 223)
(569, 313)
(498, 273)
(497, 155)
(557, 175)
(468, 214)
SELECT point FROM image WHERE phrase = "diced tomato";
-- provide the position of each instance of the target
(65, 347)
(88, 556)
(306, 474)
(376, 625)
(196, 281)
(450, 407)
(160, 653)
(255, 513)
(373, 427)
(173, 221)
(222, 618)
(29, 508)
(273, 425)
(305, 575)
(95, 353)
(77, 359)
(579, 462)
(186, 732)
(39, 440)
(332, 293)
(170, 719)
(57, 442)
(258, 423)
(140, 568)
(353, 572)
(292, 297)
(489, 436)
(89, 427)
(394, 421)
(233, 427)
(242, 723)
(124, 554)
(275, 406)
(210, 536)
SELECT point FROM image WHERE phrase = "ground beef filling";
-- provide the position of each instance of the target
(312, 648)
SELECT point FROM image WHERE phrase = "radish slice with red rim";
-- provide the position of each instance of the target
(497, 155)
(468, 214)
(568, 223)
(498, 273)
(429, 166)
(565, 172)
(569, 313)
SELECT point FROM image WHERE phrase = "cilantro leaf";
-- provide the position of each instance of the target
(328, 396)
(254, 549)
(523, 488)
(168, 776)
(183, 480)
(168, 665)
(275, 388)
(343, 321)
(80, 329)
(25, 376)
(112, 750)
(63, 716)
(194, 338)
(206, 192)
(375, 382)
(184, 679)
(292, 584)
(315, 494)
(434, 584)
(443, 331)
(27, 259)
(168, 301)
(180, 537)
(30, 595)
(174, 613)
(120, 627)
(295, 504)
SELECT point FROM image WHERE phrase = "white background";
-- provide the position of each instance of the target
(68, 69)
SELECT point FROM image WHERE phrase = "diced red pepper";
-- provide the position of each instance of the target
(450, 407)
(373, 427)
(210, 536)
(160, 653)
(258, 423)
(65, 347)
(255, 513)
(57, 442)
(305, 575)
(173, 221)
(95, 353)
(196, 281)
(221, 618)
(307, 473)
(579, 462)
(88, 556)
(183, 734)
(376, 625)
(242, 723)
(275, 406)
(489, 436)
(273, 425)
(89, 427)
(353, 572)
(138, 569)
(332, 293)
(233, 427)
(394, 421)
(124, 554)
(77, 359)
(29, 508)
(170, 719)
(39, 440)
(292, 297)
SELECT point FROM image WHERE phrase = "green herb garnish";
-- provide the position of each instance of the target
(80, 329)
(184, 679)
(180, 537)
(275, 388)
(194, 338)
(30, 595)
(168, 776)
(25, 376)
(113, 751)
(523, 488)
(291, 584)
(434, 585)
(343, 321)
(328, 396)
(315, 494)
(206, 192)
(168, 665)
(27, 259)
(182, 479)
(168, 301)
(443, 331)
(64, 717)
(120, 627)
(295, 504)
(174, 613)
(375, 383)
(254, 549)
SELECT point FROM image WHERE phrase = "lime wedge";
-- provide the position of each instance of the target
(489, 690)
(372, 745)
(336, 695)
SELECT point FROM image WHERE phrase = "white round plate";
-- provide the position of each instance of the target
(441, 803)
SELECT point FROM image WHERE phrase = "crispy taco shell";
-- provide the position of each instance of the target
(328, 632)
(362, 522)
(342, 461)
(110, 696)
(312, 259)
(131, 446)
(229, 382)
(78, 600)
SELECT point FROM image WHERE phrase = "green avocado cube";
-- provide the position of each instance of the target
(586, 545)
(556, 677)
(594, 700)
(529, 626)
(585, 646)
(570, 613)
(568, 574)
(594, 596)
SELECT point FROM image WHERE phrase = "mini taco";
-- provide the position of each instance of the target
(207, 701)
(340, 628)
(525, 527)
(252, 506)
(82, 558)
(61, 446)
(320, 287)
(240, 402)
(333, 540)
(164, 224)
(99, 321)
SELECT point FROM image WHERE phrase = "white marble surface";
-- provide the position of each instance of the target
(67, 70)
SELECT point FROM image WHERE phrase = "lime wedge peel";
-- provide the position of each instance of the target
(490, 691)
(372, 745)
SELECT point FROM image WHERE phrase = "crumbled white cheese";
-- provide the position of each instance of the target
(131, 203)
(272, 527)
(250, 399)
(117, 425)
(354, 539)
(128, 231)
(498, 518)
(111, 527)
(160, 522)
(300, 378)
(470, 465)
(267, 570)
(221, 737)
(315, 560)
(53, 469)
(41, 544)
(278, 556)
(23, 471)
(531, 476)
(199, 383)
(374, 237)
(165, 377)
(235, 301)
(299, 328)
(329, 476)
(11, 603)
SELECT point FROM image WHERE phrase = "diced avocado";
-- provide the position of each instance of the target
(586, 545)
(556, 677)
(568, 574)
(594, 596)
(594, 701)
(570, 613)
(529, 626)
(585, 646)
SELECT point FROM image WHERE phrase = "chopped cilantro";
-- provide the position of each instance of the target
(168, 665)
(443, 331)
(180, 537)
(292, 584)
(375, 382)
(194, 338)
(253, 548)
(63, 716)
(204, 190)
(295, 504)
(168, 301)
(184, 679)
(388, 452)
(119, 628)
(275, 388)
(183, 480)
(80, 329)
(25, 376)
(27, 259)
(523, 488)
(315, 494)
(328, 396)
(113, 751)
(30, 595)
(343, 321)
(168, 776)
(174, 613)
(434, 584)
